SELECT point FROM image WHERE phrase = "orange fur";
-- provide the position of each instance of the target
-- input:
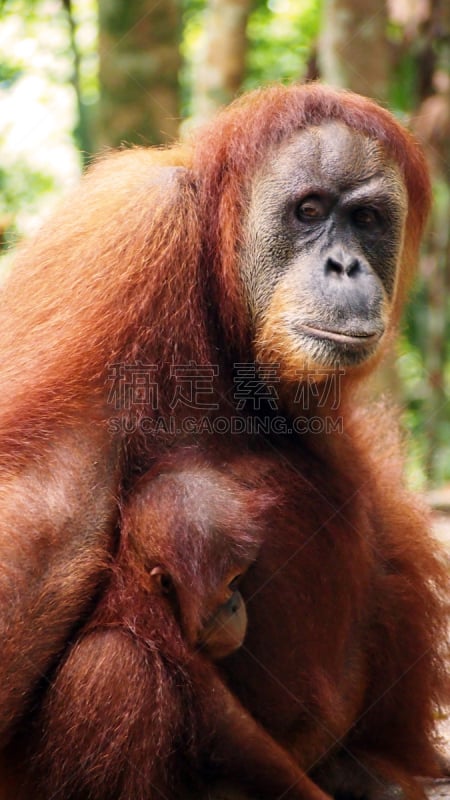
(141, 265)
(130, 226)
(136, 709)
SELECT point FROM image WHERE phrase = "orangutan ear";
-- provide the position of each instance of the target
(161, 581)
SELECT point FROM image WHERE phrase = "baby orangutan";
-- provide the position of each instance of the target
(137, 708)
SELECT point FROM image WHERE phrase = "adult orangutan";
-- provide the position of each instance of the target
(285, 233)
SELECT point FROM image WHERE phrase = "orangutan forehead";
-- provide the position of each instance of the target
(334, 154)
(202, 495)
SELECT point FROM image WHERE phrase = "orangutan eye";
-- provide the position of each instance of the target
(365, 217)
(312, 209)
(233, 585)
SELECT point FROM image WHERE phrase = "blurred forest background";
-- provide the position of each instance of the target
(77, 76)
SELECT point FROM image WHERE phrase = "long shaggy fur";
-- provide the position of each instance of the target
(140, 265)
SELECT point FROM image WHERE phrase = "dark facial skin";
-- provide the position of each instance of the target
(225, 625)
(323, 241)
(225, 630)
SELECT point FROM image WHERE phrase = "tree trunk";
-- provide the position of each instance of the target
(353, 49)
(139, 63)
(221, 67)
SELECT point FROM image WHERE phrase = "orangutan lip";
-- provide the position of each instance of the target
(353, 339)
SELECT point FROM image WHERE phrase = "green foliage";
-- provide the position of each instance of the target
(21, 190)
(414, 377)
(281, 34)
(38, 104)
(425, 408)
(193, 12)
(403, 93)
(282, 37)
(9, 73)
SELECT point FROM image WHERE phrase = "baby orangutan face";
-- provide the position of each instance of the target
(225, 626)
(225, 630)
